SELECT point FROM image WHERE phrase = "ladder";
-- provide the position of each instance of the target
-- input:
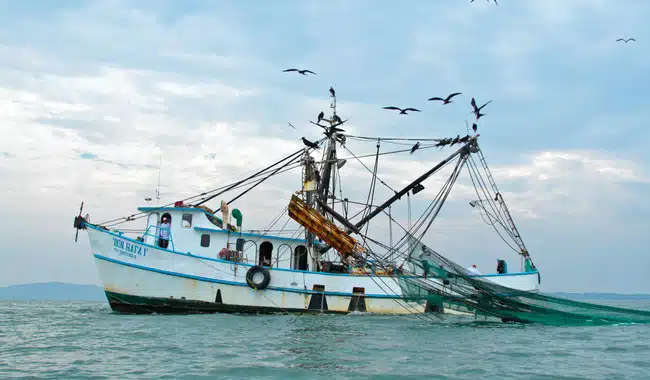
(320, 226)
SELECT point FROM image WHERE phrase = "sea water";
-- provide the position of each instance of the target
(85, 340)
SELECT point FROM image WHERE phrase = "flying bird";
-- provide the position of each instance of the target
(309, 143)
(291, 125)
(626, 41)
(303, 72)
(495, 1)
(332, 91)
(415, 147)
(477, 110)
(147, 199)
(402, 111)
(448, 99)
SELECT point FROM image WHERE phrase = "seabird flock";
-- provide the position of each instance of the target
(403, 111)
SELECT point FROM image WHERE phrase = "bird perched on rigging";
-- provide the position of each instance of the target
(474, 127)
(303, 72)
(321, 115)
(415, 147)
(402, 111)
(626, 41)
(477, 110)
(448, 99)
(332, 91)
(309, 143)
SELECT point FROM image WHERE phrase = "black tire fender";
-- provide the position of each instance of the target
(258, 285)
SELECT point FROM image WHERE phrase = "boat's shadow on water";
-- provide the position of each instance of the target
(323, 320)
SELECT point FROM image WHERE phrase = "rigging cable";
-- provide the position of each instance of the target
(291, 156)
(220, 189)
(371, 191)
(483, 186)
(496, 208)
(263, 179)
(367, 168)
(387, 138)
(493, 225)
(134, 217)
(499, 207)
(382, 154)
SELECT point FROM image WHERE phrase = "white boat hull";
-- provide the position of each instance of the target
(142, 278)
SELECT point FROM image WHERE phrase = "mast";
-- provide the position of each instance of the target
(316, 183)
(330, 154)
(309, 187)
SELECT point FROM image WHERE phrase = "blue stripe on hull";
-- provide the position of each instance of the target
(234, 283)
(187, 254)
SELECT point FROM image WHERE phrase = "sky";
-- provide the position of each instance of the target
(95, 95)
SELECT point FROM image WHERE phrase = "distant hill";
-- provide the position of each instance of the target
(602, 296)
(55, 291)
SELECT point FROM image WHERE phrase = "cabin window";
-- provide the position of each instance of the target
(187, 221)
(283, 254)
(205, 240)
(266, 254)
(300, 258)
(164, 231)
(250, 251)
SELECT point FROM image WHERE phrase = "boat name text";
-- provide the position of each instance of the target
(125, 248)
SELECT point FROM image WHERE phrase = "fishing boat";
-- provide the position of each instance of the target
(185, 257)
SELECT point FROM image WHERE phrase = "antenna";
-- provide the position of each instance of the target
(333, 102)
(158, 187)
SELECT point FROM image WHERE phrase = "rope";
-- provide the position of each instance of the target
(484, 188)
(298, 152)
(353, 137)
(262, 180)
(134, 217)
(371, 191)
(368, 169)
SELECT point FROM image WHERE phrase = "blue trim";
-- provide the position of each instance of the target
(213, 280)
(223, 231)
(210, 258)
(188, 209)
(272, 269)
(250, 234)
(503, 274)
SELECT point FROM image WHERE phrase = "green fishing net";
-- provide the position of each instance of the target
(448, 286)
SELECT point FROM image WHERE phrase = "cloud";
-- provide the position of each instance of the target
(195, 93)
